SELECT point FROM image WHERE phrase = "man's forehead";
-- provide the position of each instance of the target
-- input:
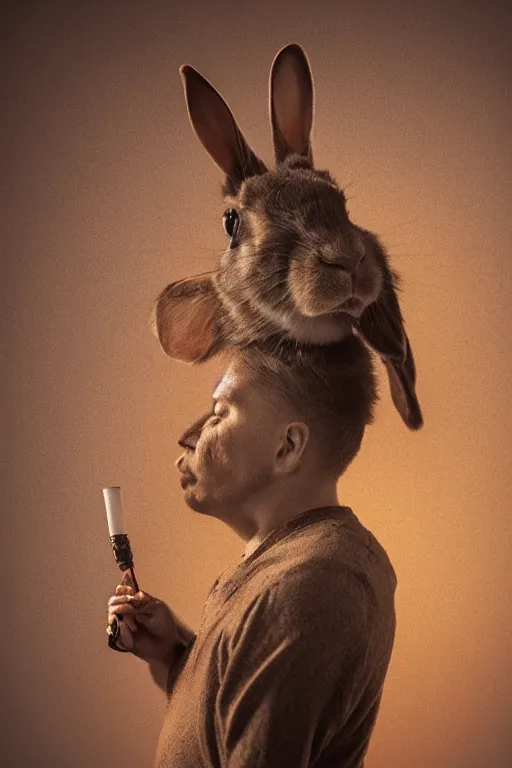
(227, 386)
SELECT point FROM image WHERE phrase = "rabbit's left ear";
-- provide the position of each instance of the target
(186, 320)
(217, 130)
(381, 325)
(291, 103)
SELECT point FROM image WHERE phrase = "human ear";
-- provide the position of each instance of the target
(291, 448)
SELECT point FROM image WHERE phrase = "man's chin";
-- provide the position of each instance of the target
(195, 502)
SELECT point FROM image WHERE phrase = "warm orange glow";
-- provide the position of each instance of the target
(110, 196)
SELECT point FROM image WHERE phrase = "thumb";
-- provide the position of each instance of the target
(127, 580)
(145, 602)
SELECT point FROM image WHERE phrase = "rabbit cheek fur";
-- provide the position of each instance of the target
(297, 265)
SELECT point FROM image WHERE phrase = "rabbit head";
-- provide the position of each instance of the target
(295, 267)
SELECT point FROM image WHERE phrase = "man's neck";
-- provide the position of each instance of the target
(283, 507)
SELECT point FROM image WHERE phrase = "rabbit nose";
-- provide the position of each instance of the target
(341, 260)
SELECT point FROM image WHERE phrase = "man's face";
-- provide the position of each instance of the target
(230, 452)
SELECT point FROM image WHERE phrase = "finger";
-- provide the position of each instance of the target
(127, 579)
(123, 599)
(122, 609)
(142, 601)
(145, 620)
(126, 636)
(124, 621)
(128, 622)
(124, 589)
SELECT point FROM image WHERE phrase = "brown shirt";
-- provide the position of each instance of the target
(288, 665)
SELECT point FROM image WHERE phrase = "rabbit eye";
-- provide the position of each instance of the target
(230, 221)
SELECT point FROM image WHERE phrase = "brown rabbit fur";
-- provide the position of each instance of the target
(296, 267)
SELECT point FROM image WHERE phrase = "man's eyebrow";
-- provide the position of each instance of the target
(229, 397)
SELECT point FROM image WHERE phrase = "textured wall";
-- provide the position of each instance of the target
(109, 197)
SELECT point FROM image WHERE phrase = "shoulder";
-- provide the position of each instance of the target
(309, 613)
(335, 573)
(331, 574)
(320, 587)
(307, 599)
(338, 554)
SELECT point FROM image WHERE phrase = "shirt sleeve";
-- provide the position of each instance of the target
(292, 670)
(175, 669)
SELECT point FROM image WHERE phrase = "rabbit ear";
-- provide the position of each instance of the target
(216, 129)
(402, 380)
(186, 316)
(381, 326)
(291, 103)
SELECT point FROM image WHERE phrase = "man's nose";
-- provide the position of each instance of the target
(191, 435)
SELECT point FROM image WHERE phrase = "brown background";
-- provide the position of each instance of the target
(109, 197)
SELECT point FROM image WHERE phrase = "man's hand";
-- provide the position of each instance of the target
(148, 628)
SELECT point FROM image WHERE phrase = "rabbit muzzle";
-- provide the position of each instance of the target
(336, 259)
(324, 281)
(353, 307)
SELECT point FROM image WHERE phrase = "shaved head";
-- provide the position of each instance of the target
(331, 388)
